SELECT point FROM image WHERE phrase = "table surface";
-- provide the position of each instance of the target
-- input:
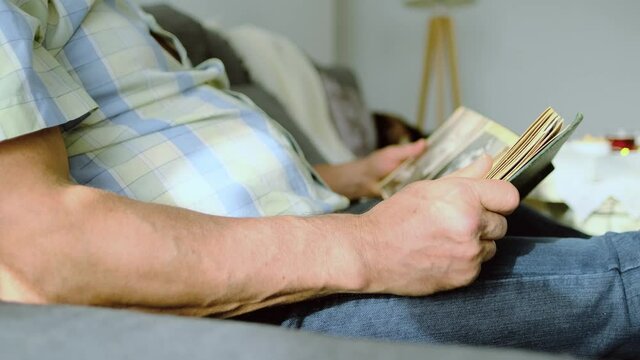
(600, 187)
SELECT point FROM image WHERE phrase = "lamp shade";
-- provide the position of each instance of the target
(433, 3)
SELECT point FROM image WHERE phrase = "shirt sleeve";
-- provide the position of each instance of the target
(36, 91)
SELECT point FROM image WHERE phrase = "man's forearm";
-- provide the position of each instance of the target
(97, 248)
(66, 243)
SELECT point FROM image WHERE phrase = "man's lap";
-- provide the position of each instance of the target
(565, 295)
(542, 292)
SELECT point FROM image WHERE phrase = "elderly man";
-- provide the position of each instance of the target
(132, 180)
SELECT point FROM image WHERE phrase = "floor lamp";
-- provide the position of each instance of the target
(440, 60)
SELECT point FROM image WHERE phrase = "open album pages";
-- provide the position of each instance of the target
(466, 135)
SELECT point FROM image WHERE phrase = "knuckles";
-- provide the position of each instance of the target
(470, 252)
(468, 226)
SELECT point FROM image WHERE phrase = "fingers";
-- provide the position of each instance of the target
(478, 169)
(497, 196)
(492, 226)
(488, 250)
(417, 147)
(402, 152)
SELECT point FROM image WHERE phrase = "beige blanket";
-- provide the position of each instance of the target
(287, 73)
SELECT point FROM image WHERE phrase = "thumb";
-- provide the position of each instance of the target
(406, 151)
(478, 169)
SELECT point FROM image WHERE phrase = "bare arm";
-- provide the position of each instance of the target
(64, 243)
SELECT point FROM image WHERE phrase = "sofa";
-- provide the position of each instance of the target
(70, 332)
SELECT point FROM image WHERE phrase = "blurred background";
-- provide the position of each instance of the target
(516, 57)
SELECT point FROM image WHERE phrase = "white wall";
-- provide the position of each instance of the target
(516, 58)
(309, 23)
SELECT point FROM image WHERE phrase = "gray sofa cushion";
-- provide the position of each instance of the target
(70, 333)
(201, 44)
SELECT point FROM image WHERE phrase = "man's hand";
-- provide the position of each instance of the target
(360, 178)
(66, 243)
(434, 235)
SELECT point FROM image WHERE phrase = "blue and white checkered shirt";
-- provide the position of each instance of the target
(139, 122)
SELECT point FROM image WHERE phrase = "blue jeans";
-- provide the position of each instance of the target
(564, 296)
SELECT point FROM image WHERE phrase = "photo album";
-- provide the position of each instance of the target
(522, 160)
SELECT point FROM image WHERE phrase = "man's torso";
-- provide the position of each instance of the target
(163, 131)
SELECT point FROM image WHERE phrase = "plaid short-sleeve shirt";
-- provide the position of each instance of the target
(139, 122)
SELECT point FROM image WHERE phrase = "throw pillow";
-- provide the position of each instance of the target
(348, 111)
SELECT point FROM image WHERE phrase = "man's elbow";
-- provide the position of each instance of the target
(14, 288)
(34, 246)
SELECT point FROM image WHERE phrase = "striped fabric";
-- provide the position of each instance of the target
(140, 123)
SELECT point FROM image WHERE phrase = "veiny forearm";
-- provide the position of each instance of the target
(65, 243)
(101, 249)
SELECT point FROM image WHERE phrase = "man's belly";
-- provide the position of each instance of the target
(208, 152)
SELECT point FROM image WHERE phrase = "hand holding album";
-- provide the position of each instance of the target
(466, 135)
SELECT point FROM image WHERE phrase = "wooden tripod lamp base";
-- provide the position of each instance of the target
(440, 60)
